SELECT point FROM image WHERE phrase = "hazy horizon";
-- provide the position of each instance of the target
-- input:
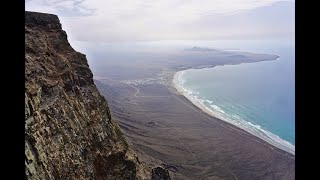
(112, 21)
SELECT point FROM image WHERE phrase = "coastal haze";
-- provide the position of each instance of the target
(258, 97)
(162, 125)
(137, 52)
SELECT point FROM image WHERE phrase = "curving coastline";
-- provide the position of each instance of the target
(254, 130)
(161, 123)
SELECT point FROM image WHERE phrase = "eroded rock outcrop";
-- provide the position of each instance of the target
(69, 132)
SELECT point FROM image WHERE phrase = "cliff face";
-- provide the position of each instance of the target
(69, 132)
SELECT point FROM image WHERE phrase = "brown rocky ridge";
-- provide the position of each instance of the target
(69, 131)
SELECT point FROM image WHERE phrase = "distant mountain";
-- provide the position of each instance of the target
(200, 49)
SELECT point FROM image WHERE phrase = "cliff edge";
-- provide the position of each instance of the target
(69, 132)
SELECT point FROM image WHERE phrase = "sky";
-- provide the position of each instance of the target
(152, 20)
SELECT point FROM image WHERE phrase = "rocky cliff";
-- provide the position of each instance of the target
(69, 132)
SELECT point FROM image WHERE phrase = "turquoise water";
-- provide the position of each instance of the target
(258, 97)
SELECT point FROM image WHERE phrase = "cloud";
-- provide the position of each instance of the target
(114, 20)
(64, 8)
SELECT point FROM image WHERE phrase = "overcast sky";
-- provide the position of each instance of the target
(126, 20)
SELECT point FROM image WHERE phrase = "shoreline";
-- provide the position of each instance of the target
(195, 102)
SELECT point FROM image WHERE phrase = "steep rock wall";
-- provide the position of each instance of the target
(69, 132)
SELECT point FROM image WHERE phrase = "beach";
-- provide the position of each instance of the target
(264, 135)
(163, 126)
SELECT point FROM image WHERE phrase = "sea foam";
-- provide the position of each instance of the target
(235, 120)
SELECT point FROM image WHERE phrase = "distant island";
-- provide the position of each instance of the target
(195, 48)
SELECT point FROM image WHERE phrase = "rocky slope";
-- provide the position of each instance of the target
(69, 132)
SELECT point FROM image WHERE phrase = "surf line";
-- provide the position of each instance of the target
(233, 129)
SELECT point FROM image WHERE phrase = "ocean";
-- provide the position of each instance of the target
(257, 97)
